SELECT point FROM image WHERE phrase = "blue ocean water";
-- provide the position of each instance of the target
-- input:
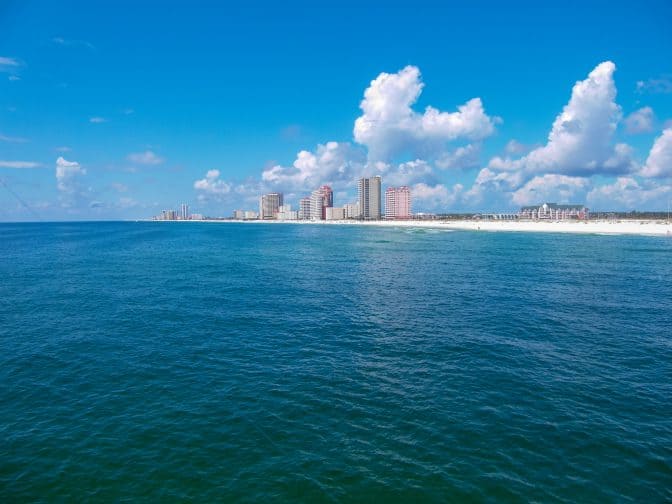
(254, 362)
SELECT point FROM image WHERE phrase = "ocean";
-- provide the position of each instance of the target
(156, 361)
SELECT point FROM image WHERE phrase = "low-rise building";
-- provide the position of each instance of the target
(553, 211)
(351, 210)
(285, 213)
(335, 213)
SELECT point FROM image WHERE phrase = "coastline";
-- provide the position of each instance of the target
(599, 227)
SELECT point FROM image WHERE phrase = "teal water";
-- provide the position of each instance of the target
(220, 362)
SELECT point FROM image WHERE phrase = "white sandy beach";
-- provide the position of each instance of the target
(605, 227)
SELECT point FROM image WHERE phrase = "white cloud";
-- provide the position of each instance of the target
(389, 125)
(212, 184)
(97, 120)
(580, 141)
(659, 162)
(640, 121)
(435, 197)
(19, 164)
(554, 188)
(72, 43)
(655, 86)
(7, 64)
(9, 139)
(515, 148)
(462, 158)
(332, 163)
(119, 187)
(407, 173)
(145, 158)
(67, 175)
(126, 202)
(627, 193)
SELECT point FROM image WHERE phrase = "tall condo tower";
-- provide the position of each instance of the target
(320, 200)
(368, 190)
(184, 211)
(398, 203)
(269, 205)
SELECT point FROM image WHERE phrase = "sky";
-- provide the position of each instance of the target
(118, 110)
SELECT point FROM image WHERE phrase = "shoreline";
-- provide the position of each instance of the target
(599, 227)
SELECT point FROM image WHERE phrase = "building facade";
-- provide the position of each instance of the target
(304, 208)
(335, 213)
(184, 211)
(285, 212)
(320, 200)
(368, 190)
(269, 205)
(398, 203)
(553, 211)
(351, 210)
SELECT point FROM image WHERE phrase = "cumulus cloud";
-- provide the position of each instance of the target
(659, 162)
(555, 188)
(68, 175)
(331, 163)
(640, 121)
(438, 196)
(515, 148)
(461, 158)
(212, 185)
(580, 141)
(389, 125)
(19, 164)
(407, 173)
(627, 192)
(145, 158)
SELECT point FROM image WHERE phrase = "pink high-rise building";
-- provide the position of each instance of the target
(398, 203)
(320, 200)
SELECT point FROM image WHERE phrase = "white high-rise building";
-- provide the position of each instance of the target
(368, 190)
(184, 211)
(398, 203)
(320, 200)
(304, 208)
(269, 205)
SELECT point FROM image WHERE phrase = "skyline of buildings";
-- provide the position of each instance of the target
(319, 206)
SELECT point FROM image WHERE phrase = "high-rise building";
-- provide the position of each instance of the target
(320, 200)
(368, 190)
(269, 205)
(398, 203)
(184, 211)
(304, 208)
(238, 214)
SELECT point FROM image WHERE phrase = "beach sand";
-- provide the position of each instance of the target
(605, 227)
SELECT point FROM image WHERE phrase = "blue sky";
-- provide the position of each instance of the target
(121, 109)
